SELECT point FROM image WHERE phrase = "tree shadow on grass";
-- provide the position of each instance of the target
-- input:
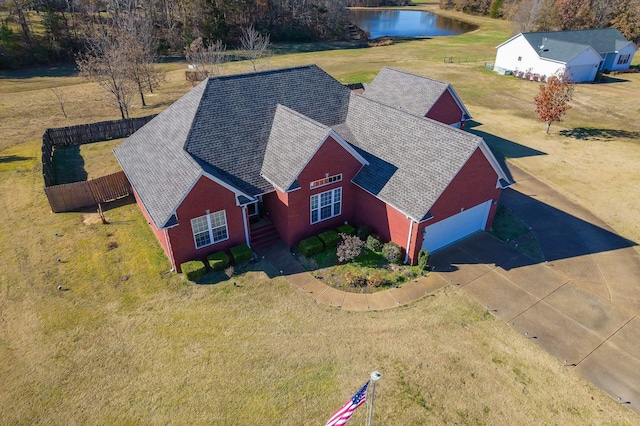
(13, 158)
(592, 133)
(68, 165)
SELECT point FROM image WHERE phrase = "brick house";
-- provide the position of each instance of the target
(293, 152)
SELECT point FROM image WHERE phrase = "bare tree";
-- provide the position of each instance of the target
(206, 58)
(525, 15)
(136, 38)
(254, 47)
(106, 62)
(20, 8)
(60, 96)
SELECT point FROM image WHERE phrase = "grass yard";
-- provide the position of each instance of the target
(84, 162)
(125, 342)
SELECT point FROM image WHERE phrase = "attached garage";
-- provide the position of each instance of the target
(582, 72)
(456, 227)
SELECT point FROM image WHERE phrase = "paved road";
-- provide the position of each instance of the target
(582, 305)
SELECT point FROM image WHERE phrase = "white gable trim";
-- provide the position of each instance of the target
(340, 142)
(508, 41)
(345, 145)
(456, 99)
(272, 184)
(484, 148)
(493, 162)
(223, 184)
(193, 184)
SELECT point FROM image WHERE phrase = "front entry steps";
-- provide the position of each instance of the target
(263, 236)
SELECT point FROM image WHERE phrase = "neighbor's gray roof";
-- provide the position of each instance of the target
(157, 167)
(603, 40)
(282, 163)
(411, 161)
(561, 51)
(234, 120)
(406, 91)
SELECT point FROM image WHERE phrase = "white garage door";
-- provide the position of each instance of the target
(456, 227)
(581, 73)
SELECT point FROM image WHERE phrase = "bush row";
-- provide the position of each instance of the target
(327, 239)
(219, 261)
(349, 248)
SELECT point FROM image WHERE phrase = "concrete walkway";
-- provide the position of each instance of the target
(280, 256)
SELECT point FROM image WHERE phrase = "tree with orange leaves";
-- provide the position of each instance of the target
(552, 101)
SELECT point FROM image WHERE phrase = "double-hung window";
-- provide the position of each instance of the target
(326, 205)
(210, 229)
(623, 59)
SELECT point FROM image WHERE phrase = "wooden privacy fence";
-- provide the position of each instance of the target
(76, 195)
(72, 196)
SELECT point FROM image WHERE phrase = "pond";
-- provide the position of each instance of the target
(406, 23)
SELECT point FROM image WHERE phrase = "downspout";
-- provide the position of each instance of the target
(171, 259)
(406, 256)
(244, 221)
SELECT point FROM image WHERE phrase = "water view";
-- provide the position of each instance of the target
(407, 23)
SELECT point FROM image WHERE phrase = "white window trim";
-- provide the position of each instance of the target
(327, 180)
(255, 212)
(210, 229)
(333, 203)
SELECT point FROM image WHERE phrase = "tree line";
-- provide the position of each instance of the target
(47, 31)
(553, 15)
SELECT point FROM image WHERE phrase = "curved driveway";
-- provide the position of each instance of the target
(581, 305)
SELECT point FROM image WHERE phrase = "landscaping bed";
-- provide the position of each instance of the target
(368, 273)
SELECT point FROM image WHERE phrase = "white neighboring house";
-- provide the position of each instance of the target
(580, 53)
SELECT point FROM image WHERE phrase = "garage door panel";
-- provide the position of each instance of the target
(456, 227)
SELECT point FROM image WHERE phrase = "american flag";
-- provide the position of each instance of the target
(343, 415)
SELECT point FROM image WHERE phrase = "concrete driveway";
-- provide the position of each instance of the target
(581, 305)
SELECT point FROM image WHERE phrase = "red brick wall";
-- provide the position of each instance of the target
(383, 219)
(474, 184)
(276, 206)
(445, 110)
(291, 212)
(159, 233)
(205, 195)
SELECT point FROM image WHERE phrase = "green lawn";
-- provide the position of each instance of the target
(128, 342)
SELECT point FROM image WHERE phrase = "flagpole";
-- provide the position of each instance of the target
(375, 376)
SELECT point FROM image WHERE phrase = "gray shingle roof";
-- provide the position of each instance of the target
(158, 168)
(561, 51)
(237, 127)
(603, 40)
(405, 91)
(232, 125)
(411, 161)
(282, 164)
